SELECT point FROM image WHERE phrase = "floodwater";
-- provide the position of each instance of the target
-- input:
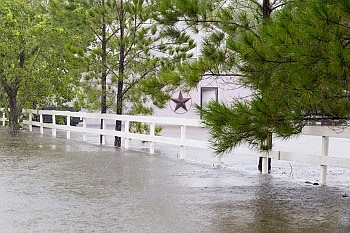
(59, 185)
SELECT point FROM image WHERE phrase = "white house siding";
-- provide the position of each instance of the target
(226, 92)
(227, 89)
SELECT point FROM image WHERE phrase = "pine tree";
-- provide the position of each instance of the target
(224, 22)
(131, 57)
(296, 65)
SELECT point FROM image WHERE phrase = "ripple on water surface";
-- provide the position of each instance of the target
(58, 185)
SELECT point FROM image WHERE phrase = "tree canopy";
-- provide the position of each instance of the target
(296, 65)
(35, 65)
(128, 52)
(214, 22)
(130, 55)
(125, 56)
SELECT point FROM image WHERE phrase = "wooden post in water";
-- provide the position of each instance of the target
(264, 161)
(3, 118)
(30, 119)
(84, 129)
(54, 131)
(41, 124)
(68, 126)
(265, 164)
(104, 126)
(183, 137)
(217, 162)
(325, 146)
(126, 130)
(152, 133)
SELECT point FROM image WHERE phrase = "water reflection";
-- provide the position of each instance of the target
(273, 206)
(304, 208)
(58, 185)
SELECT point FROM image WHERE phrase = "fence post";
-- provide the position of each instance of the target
(104, 126)
(183, 137)
(68, 125)
(325, 146)
(53, 124)
(127, 139)
(265, 164)
(84, 129)
(30, 119)
(41, 123)
(3, 118)
(152, 133)
(217, 162)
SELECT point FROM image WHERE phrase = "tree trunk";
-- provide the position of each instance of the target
(104, 72)
(266, 146)
(260, 164)
(11, 90)
(14, 111)
(118, 124)
(121, 68)
(266, 8)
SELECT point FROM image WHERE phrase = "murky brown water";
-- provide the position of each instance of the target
(58, 185)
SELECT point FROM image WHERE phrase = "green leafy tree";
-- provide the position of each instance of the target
(131, 57)
(34, 65)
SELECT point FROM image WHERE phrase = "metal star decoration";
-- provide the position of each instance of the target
(180, 102)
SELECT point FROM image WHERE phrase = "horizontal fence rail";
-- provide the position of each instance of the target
(36, 118)
(125, 134)
(323, 159)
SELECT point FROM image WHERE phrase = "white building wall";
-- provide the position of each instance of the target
(226, 86)
(226, 93)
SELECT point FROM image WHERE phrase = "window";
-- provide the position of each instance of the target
(208, 94)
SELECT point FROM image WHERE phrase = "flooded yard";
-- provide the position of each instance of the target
(57, 185)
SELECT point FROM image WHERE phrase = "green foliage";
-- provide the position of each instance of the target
(36, 66)
(217, 23)
(46, 74)
(296, 64)
(246, 122)
(126, 47)
(143, 128)
(303, 56)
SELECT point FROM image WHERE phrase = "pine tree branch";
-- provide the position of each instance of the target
(257, 3)
(346, 44)
(135, 82)
(223, 74)
(280, 5)
(113, 34)
(136, 26)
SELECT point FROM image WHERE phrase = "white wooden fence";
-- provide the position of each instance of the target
(182, 141)
(323, 160)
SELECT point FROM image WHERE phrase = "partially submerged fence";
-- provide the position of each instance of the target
(36, 118)
(323, 159)
(182, 141)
